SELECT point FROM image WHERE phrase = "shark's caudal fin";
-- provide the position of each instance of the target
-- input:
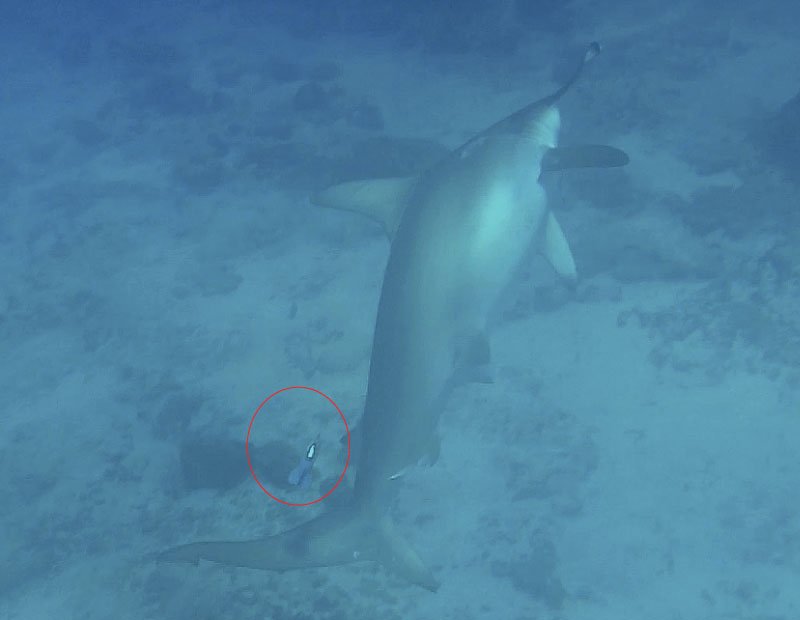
(340, 536)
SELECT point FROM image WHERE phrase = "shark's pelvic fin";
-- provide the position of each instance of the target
(383, 200)
(402, 559)
(556, 250)
(583, 156)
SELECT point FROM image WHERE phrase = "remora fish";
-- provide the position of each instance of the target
(459, 232)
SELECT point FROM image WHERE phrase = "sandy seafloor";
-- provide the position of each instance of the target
(163, 271)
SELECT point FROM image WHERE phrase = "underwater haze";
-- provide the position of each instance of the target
(623, 444)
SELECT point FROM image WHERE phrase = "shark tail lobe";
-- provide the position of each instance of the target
(337, 537)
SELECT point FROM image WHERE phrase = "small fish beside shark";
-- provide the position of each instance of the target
(459, 232)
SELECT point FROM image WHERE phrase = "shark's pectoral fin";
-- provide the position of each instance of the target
(380, 199)
(583, 156)
(555, 249)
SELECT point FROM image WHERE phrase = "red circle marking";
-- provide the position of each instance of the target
(250, 428)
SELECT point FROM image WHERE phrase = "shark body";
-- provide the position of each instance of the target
(459, 232)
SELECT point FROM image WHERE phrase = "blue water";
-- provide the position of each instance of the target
(164, 272)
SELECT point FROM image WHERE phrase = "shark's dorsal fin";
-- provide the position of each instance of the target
(583, 156)
(555, 249)
(382, 200)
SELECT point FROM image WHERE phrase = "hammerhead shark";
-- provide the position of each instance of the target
(459, 232)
